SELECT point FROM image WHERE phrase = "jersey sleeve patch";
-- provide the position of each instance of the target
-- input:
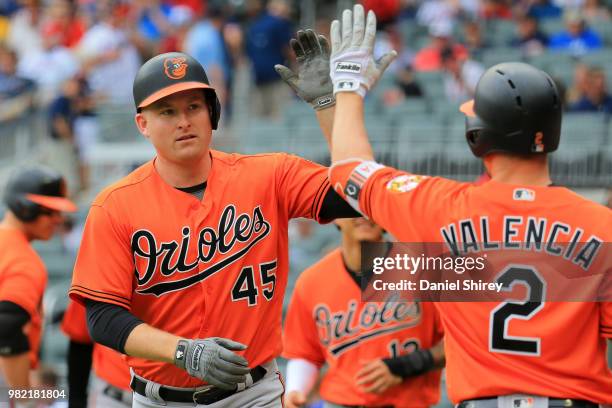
(405, 183)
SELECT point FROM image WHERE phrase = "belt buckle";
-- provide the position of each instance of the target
(203, 391)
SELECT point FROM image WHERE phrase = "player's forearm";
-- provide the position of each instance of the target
(349, 136)
(152, 344)
(16, 370)
(326, 122)
(301, 375)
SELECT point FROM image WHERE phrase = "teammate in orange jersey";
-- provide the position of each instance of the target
(183, 263)
(514, 353)
(112, 385)
(373, 360)
(35, 198)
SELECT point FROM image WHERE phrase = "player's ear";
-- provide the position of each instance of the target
(141, 123)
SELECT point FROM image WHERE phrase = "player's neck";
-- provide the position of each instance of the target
(11, 222)
(517, 170)
(186, 174)
(351, 253)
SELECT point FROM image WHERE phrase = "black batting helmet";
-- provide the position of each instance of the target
(516, 109)
(32, 190)
(173, 72)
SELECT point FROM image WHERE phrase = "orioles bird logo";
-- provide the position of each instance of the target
(175, 68)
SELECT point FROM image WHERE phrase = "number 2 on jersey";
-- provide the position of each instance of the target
(499, 340)
(246, 288)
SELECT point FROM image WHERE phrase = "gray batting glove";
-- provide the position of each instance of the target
(353, 68)
(311, 82)
(212, 361)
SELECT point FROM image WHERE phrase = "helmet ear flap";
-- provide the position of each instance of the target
(214, 107)
(24, 209)
(473, 132)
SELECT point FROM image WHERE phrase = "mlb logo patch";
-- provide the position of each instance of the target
(523, 194)
(526, 402)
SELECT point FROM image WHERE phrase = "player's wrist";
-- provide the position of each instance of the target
(323, 102)
(411, 365)
(180, 353)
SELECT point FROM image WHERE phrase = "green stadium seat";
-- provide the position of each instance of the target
(502, 54)
(552, 26)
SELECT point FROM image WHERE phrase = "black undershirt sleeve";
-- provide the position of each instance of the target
(335, 207)
(79, 366)
(13, 340)
(110, 325)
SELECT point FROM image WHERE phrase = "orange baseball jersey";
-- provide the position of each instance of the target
(215, 267)
(328, 323)
(555, 349)
(23, 279)
(108, 364)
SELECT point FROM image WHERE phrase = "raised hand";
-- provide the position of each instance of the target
(311, 82)
(353, 68)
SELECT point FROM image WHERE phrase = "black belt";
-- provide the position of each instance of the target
(552, 403)
(206, 396)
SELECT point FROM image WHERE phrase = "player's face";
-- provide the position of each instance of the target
(43, 227)
(178, 126)
(360, 229)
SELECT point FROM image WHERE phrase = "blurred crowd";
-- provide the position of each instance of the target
(454, 37)
(70, 57)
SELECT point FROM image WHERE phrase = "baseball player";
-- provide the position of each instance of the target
(183, 263)
(35, 198)
(112, 383)
(372, 360)
(507, 354)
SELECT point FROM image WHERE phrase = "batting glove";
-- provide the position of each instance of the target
(311, 82)
(212, 361)
(353, 68)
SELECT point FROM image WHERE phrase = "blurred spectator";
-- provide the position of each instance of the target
(267, 43)
(406, 87)
(386, 10)
(11, 84)
(596, 97)
(8, 7)
(62, 17)
(530, 38)
(578, 88)
(16, 92)
(24, 34)
(407, 82)
(50, 66)
(428, 58)
(180, 19)
(437, 14)
(149, 19)
(540, 9)
(474, 40)
(72, 122)
(109, 59)
(577, 39)
(496, 10)
(4, 28)
(608, 202)
(205, 43)
(196, 6)
(594, 12)
(460, 76)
